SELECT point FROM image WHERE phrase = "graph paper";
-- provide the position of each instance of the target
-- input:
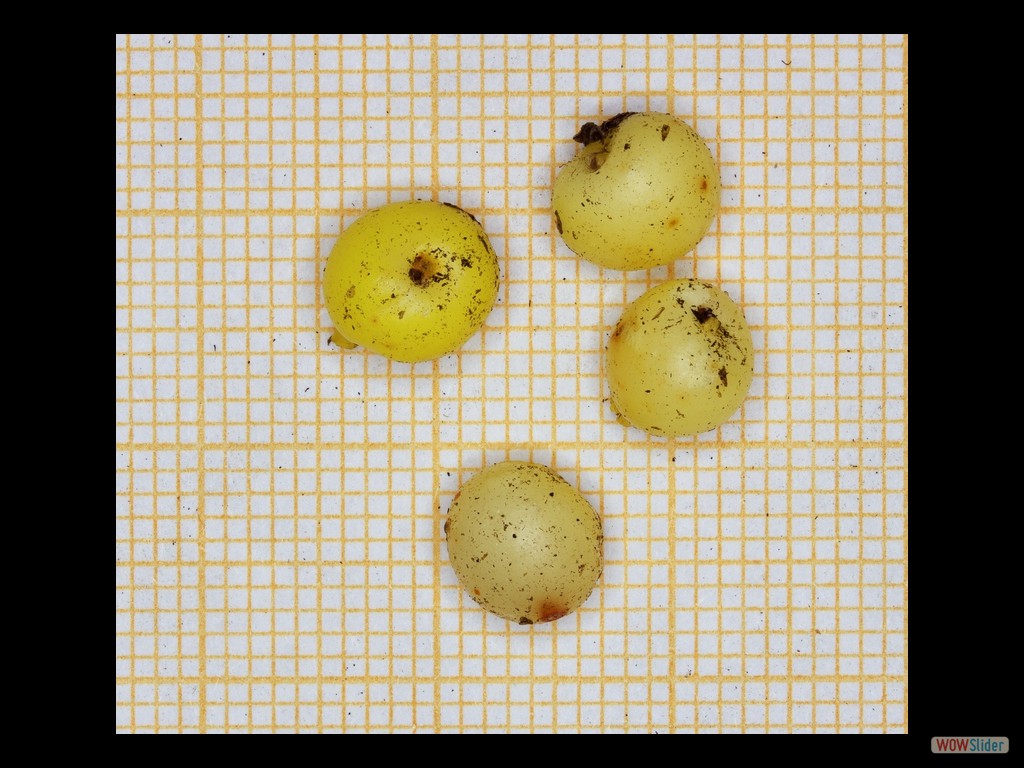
(280, 559)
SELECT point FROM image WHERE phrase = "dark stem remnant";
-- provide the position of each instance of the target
(664, 132)
(588, 134)
(703, 314)
(613, 122)
(423, 270)
(591, 132)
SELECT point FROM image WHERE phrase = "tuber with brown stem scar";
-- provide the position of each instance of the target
(641, 192)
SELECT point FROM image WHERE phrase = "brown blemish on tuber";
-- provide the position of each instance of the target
(552, 611)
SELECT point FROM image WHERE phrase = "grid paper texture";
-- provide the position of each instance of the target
(280, 561)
